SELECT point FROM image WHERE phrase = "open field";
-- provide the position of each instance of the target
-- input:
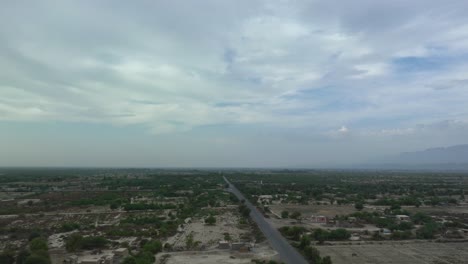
(262, 252)
(209, 235)
(310, 209)
(398, 253)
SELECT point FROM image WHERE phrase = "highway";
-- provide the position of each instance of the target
(287, 253)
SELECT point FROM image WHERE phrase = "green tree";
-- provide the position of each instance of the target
(189, 242)
(326, 260)
(37, 244)
(210, 220)
(359, 206)
(7, 257)
(34, 234)
(339, 234)
(421, 218)
(320, 235)
(74, 242)
(22, 256)
(296, 215)
(312, 254)
(284, 214)
(67, 227)
(244, 210)
(129, 260)
(428, 230)
(154, 246)
(305, 241)
(36, 259)
(92, 242)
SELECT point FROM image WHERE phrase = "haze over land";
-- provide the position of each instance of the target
(230, 84)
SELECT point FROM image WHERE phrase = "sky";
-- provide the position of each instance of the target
(217, 83)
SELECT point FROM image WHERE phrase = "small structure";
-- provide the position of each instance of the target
(402, 218)
(90, 261)
(386, 232)
(241, 247)
(265, 199)
(121, 252)
(224, 244)
(112, 260)
(318, 219)
(237, 245)
(28, 201)
(71, 260)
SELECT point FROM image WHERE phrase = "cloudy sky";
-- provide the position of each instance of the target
(229, 83)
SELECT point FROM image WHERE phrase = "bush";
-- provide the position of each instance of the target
(338, 234)
(293, 232)
(359, 206)
(401, 235)
(67, 227)
(154, 246)
(312, 254)
(421, 218)
(296, 215)
(210, 220)
(244, 210)
(76, 242)
(7, 257)
(305, 241)
(93, 242)
(38, 244)
(428, 231)
(35, 259)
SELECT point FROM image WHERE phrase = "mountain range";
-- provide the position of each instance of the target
(441, 158)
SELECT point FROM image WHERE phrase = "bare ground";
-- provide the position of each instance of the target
(263, 252)
(404, 253)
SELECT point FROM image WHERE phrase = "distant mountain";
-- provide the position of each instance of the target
(453, 154)
(444, 158)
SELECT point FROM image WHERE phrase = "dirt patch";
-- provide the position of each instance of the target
(404, 253)
(263, 252)
(209, 235)
(309, 210)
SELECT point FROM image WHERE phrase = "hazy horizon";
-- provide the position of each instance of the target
(243, 84)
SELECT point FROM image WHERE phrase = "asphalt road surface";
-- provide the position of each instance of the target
(287, 253)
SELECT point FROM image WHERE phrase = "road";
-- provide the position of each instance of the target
(287, 253)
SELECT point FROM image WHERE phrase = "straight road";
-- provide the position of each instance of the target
(287, 253)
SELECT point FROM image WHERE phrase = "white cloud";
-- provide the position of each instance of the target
(343, 130)
(169, 68)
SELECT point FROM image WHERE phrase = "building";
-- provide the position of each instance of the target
(386, 232)
(224, 244)
(403, 218)
(265, 199)
(121, 252)
(71, 260)
(28, 201)
(319, 219)
(240, 246)
(90, 261)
